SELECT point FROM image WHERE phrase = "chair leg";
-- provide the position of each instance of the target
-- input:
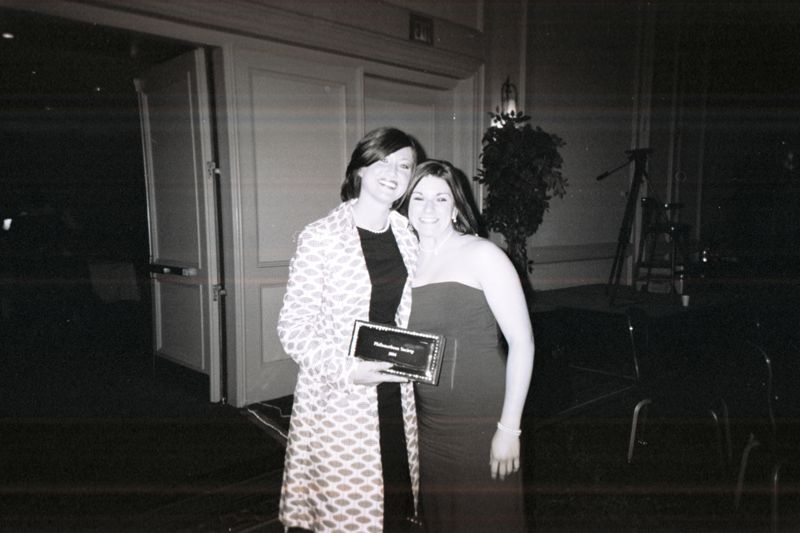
(752, 443)
(718, 430)
(635, 425)
(776, 474)
(722, 425)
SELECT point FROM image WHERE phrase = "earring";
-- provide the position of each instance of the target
(454, 218)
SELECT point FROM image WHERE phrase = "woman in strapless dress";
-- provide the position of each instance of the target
(469, 424)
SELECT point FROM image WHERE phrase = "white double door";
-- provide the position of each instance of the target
(300, 115)
(292, 118)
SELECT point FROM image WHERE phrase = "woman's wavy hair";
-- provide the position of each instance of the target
(467, 218)
(373, 147)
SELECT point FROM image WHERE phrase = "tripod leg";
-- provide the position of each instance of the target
(616, 271)
(622, 241)
(651, 252)
(616, 266)
(625, 230)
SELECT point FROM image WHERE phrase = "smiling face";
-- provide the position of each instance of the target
(385, 180)
(430, 207)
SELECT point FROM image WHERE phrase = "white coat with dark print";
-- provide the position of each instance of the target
(332, 478)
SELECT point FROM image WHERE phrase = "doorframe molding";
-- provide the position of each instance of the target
(457, 51)
(207, 262)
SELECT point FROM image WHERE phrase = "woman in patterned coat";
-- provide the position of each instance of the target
(355, 263)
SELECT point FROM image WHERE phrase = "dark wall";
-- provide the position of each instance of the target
(85, 165)
(751, 182)
(73, 181)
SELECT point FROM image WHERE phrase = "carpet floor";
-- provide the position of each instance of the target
(578, 480)
(95, 437)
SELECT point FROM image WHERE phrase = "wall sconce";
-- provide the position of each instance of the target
(508, 97)
(508, 104)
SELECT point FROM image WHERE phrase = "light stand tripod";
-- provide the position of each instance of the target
(639, 159)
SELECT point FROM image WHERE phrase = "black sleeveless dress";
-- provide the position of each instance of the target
(388, 276)
(458, 418)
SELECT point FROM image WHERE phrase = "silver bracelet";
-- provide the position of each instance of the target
(515, 432)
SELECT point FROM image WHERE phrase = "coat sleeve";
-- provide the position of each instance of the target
(302, 317)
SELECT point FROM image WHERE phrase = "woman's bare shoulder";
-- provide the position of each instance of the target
(483, 248)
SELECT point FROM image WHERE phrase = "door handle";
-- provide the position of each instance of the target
(173, 270)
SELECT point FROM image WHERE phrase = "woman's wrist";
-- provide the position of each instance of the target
(510, 431)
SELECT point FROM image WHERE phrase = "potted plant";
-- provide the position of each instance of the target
(520, 167)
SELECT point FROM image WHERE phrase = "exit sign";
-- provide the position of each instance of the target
(421, 29)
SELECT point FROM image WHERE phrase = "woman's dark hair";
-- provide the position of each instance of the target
(467, 219)
(373, 147)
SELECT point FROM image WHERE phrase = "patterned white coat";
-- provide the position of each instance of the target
(332, 477)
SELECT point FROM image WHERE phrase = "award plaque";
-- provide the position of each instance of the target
(415, 355)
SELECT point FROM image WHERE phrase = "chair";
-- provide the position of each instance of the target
(659, 228)
(772, 435)
(680, 381)
(748, 377)
(575, 375)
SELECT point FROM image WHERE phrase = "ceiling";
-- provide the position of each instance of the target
(69, 123)
(54, 62)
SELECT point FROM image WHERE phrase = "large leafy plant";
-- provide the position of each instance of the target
(520, 167)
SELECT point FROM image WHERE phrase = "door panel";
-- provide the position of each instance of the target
(180, 335)
(420, 111)
(297, 121)
(176, 137)
(297, 152)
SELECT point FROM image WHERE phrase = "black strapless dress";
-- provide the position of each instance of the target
(458, 418)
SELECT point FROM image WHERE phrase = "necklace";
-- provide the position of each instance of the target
(358, 217)
(381, 230)
(384, 228)
(435, 249)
